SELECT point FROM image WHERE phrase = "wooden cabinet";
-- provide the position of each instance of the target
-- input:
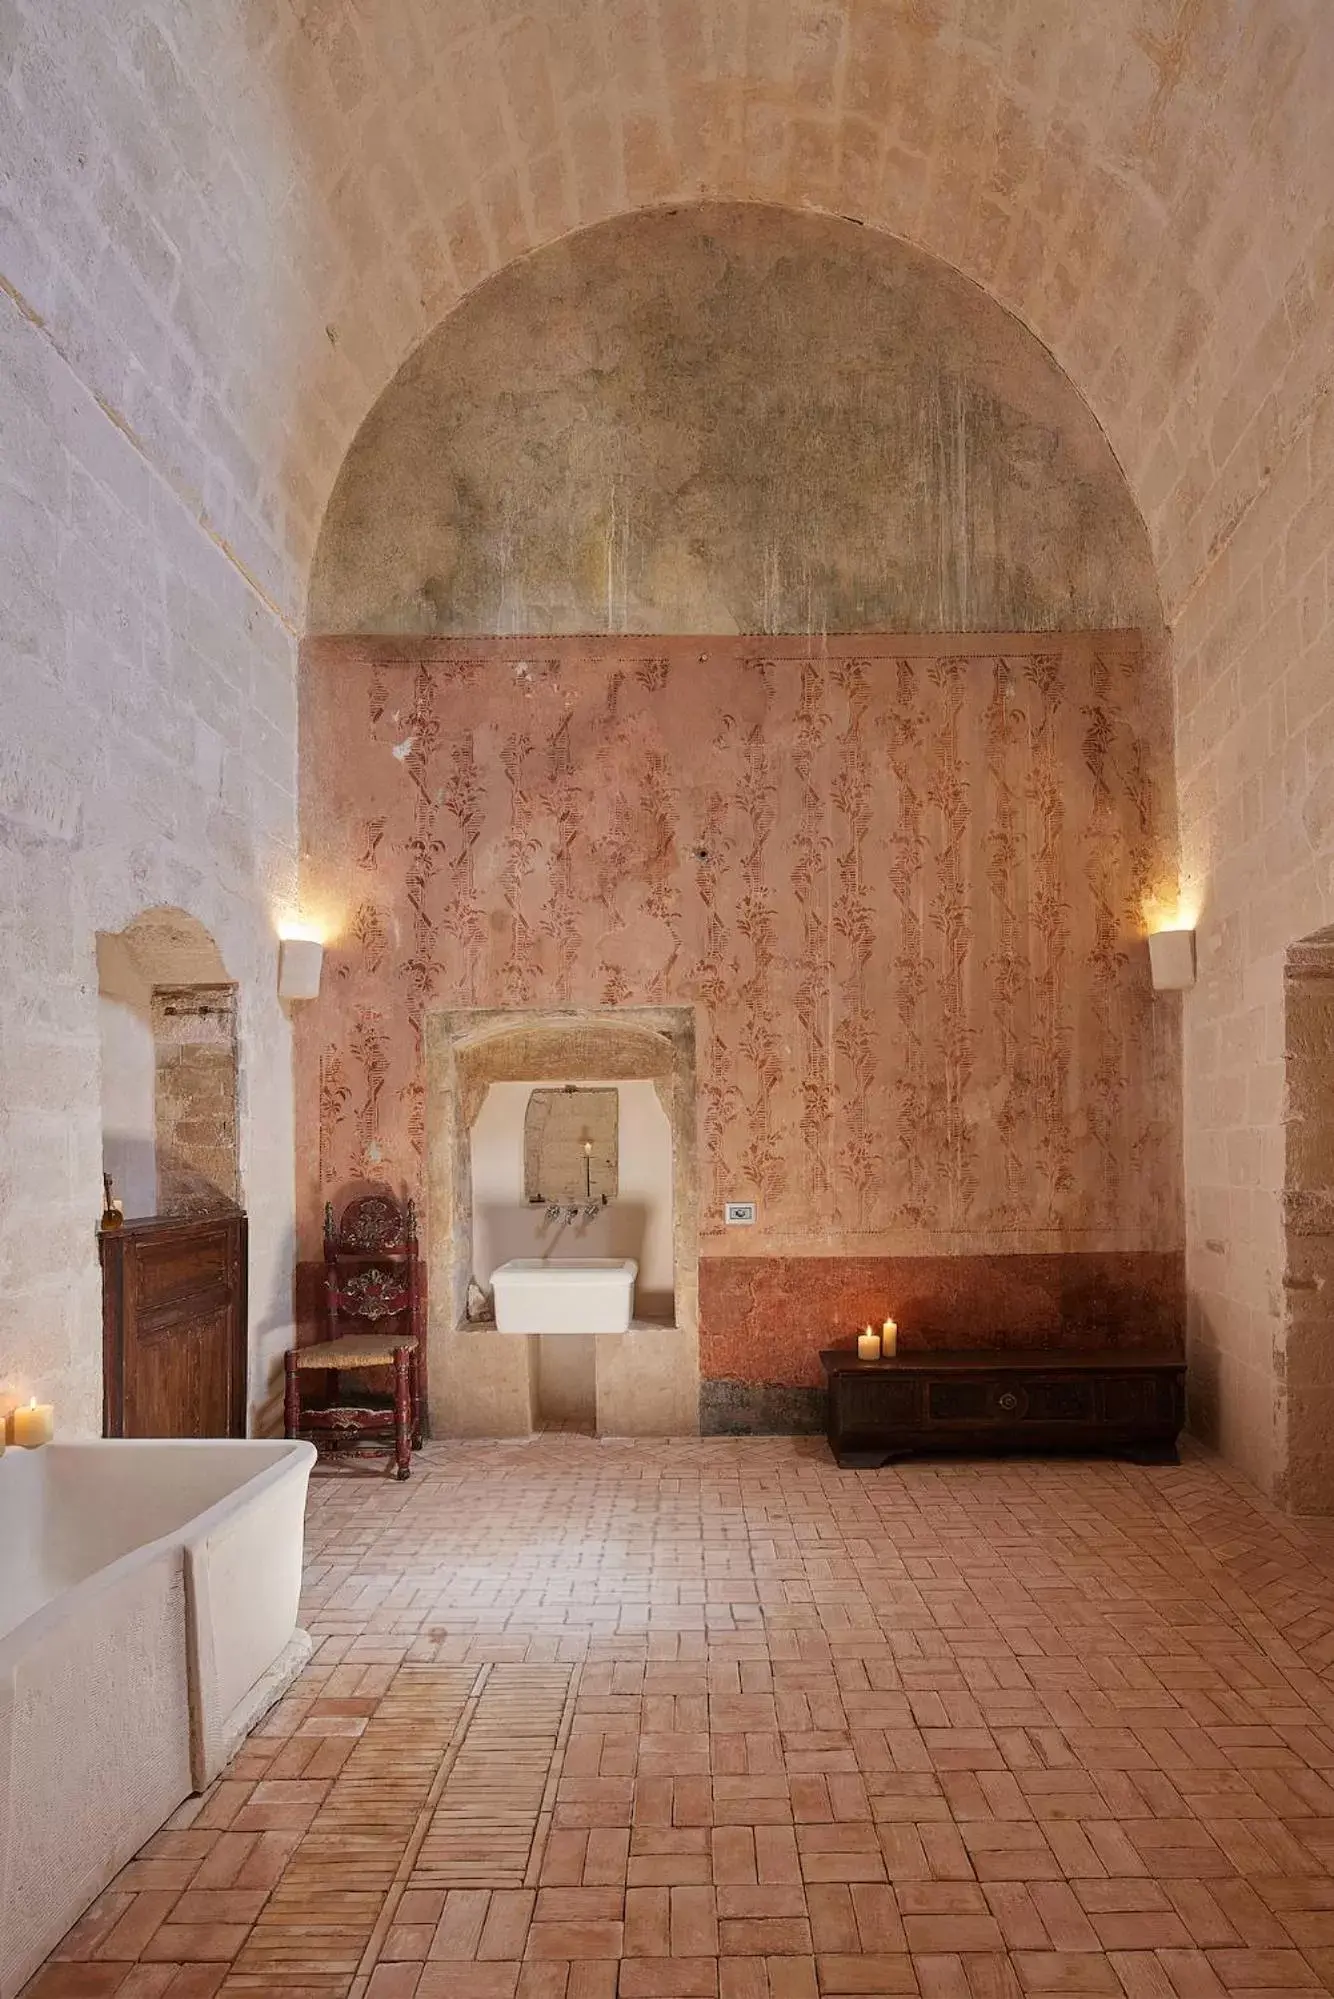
(1123, 1404)
(174, 1328)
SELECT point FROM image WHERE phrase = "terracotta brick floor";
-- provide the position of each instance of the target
(629, 1720)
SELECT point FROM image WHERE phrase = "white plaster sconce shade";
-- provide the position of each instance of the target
(1172, 960)
(300, 961)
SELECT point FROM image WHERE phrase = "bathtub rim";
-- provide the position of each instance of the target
(195, 1528)
(173, 1559)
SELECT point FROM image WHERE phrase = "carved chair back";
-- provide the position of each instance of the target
(371, 1266)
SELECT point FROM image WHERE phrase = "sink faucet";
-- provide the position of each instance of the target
(580, 1210)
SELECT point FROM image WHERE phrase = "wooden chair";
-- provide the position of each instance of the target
(373, 1299)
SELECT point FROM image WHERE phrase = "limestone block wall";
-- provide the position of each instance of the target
(151, 539)
(194, 1034)
(1255, 751)
(147, 757)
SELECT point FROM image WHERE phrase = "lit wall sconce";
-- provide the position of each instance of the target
(300, 960)
(1172, 960)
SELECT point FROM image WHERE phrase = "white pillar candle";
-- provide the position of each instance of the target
(868, 1345)
(34, 1425)
(889, 1339)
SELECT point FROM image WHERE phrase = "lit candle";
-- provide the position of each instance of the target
(34, 1425)
(868, 1345)
(889, 1339)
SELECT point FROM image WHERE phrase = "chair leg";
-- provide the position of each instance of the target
(292, 1397)
(416, 1399)
(403, 1410)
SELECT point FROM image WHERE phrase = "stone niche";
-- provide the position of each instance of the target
(194, 1039)
(485, 1383)
(1304, 1411)
(168, 1028)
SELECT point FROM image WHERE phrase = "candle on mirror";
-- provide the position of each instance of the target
(889, 1338)
(33, 1426)
(868, 1345)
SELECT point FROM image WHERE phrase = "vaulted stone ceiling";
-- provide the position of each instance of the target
(1143, 182)
(729, 416)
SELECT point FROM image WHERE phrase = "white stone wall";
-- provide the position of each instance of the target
(147, 757)
(1255, 649)
(150, 560)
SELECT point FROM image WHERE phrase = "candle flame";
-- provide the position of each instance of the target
(33, 1403)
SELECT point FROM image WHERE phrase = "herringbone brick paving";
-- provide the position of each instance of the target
(632, 1720)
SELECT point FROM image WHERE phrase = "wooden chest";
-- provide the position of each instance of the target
(1123, 1404)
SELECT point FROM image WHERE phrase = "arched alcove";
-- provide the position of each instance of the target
(167, 1026)
(730, 417)
(481, 1382)
(1303, 1405)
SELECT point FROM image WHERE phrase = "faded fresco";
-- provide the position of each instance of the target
(730, 418)
(901, 881)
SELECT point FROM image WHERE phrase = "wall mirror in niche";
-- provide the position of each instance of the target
(571, 1145)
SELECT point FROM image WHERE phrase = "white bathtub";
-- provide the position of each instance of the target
(148, 1603)
(591, 1294)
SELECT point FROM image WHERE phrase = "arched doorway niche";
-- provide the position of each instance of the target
(1306, 1395)
(482, 1383)
(167, 1026)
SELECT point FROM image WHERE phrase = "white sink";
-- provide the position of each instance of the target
(591, 1294)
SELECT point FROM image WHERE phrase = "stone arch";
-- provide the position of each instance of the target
(167, 1013)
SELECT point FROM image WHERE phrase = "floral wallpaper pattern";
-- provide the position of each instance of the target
(901, 880)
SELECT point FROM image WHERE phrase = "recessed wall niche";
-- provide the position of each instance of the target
(636, 1220)
(168, 1028)
(478, 1060)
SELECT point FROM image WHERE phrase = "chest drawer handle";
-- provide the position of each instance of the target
(1008, 1401)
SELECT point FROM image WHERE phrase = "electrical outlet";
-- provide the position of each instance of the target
(742, 1212)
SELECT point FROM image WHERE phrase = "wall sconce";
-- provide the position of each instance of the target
(1172, 960)
(300, 961)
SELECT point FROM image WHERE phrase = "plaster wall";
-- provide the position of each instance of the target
(902, 883)
(729, 418)
(638, 1223)
(129, 1131)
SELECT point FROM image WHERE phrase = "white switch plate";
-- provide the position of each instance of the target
(742, 1212)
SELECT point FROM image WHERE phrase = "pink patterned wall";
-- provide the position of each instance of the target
(902, 881)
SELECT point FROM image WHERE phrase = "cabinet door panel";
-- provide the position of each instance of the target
(174, 1328)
